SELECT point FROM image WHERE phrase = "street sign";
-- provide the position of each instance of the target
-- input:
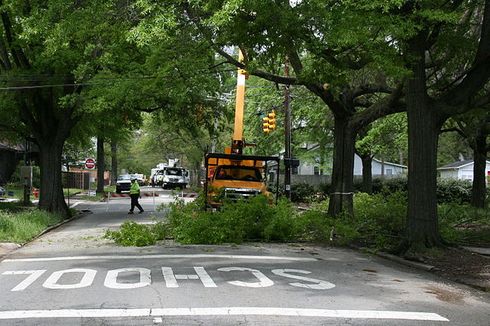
(90, 163)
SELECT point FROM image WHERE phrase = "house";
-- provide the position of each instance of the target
(461, 170)
(378, 168)
(10, 156)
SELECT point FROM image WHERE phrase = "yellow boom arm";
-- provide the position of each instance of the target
(238, 143)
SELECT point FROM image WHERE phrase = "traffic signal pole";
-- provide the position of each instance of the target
(287, 135)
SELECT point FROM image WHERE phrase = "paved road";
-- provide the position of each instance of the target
(72, 276)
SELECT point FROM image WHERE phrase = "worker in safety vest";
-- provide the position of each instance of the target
(134, 193)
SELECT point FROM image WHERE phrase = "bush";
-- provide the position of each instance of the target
(305, 193)
(133, 234)
(464, 224)
(379, 219)
(302, 192)
(453, 191)
(394, 185)
(282, 225)
(254, 220)
(448, 190)
(234, 222)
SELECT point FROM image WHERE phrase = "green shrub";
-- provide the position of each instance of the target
(453, 191)
(234, 222)
(448, 190)
(464, 224)
(394, 185)
(302, 192)
(313, 225)
(160, 230)
(282, 226)
(132, 234)
(380, 218)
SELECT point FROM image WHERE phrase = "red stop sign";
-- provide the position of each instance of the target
(90, 163)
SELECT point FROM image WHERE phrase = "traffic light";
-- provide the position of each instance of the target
(269, 122)
(265, 124)
(272, 120)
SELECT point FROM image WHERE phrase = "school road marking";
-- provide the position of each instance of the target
(222, 311)
(120, 257)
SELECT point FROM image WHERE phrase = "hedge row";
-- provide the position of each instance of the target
(448, 190)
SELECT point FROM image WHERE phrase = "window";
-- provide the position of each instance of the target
(238, 173)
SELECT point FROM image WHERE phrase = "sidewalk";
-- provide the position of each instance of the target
(6, 247)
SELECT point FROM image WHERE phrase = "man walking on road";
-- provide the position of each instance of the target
(134, 193)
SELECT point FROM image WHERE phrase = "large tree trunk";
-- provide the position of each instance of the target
(343, 165)
(100, 165)
(423, 131)
(367, 173)
(479, 178)
(113, 162)
(51, 191)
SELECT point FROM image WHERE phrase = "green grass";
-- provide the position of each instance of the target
(71, 191)
(21, 225)
(18, 192)
(110, 188)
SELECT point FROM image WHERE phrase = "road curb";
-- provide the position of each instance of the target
(406, 262)
(474, 283)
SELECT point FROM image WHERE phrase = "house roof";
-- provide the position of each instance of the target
(9, 147)
(457, 165)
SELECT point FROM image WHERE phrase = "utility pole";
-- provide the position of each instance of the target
(287, 134)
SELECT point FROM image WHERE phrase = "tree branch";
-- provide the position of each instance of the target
(388, 105)
(259, 73)
(17, 53)
(371, 89)
(479, 73)
(458, 130)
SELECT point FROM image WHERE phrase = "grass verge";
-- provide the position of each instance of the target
(21, 225)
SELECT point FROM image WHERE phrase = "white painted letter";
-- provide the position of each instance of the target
(34, 275)
(264, 281)
(320, 285)
(111, 278)
(171, 278)
(87, 279)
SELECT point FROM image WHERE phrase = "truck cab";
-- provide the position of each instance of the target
(174, 177)
(234, 177)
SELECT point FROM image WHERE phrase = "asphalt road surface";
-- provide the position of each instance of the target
(72, 276)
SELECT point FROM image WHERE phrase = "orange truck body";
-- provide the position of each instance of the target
(234, 177)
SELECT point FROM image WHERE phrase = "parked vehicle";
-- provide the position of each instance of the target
(175, 177)
(2, 191)
(123, 183)
(140, 178)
